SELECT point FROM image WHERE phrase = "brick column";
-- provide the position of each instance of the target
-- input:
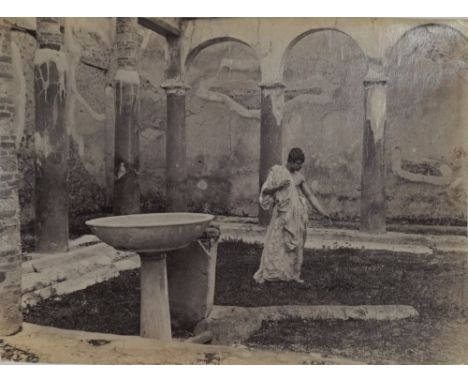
(127, 88)
(10, 249)
(176, 148)
(51, 138)
(271, 135)
(373, 160)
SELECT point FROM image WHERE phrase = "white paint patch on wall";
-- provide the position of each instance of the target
(377, 110)
(42, 145)
(127, 76)
(277, 103)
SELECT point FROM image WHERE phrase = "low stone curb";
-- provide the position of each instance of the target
(233, 324)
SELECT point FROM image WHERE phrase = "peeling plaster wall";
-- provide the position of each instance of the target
(324, 110)
(223, 130)
(426, 145)
(88, 44)
(324, 115)
(151, 67)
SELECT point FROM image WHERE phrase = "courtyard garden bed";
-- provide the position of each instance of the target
(332, 277)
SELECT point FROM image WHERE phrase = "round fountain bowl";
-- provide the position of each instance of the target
(160, 232)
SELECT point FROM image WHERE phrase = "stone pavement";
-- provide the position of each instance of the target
(246, 229)
(59, 346)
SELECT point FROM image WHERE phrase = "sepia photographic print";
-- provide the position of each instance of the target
(233, 190)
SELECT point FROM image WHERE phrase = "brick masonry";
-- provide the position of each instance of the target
(10, 253)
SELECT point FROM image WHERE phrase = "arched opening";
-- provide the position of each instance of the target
(323, 114)
(426, 132)
(223, 128)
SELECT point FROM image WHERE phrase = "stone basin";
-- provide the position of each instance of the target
(158, 232)
(153, 237)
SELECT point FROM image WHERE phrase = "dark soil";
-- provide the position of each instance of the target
(433, 285)
(112, 306)
(419, 341)
(344, 277)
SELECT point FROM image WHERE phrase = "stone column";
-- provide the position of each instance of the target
(373, 159)
(176, 155)
(271, 135)
(51, 138)
(176, 148)
(10, 249)
(127, 88)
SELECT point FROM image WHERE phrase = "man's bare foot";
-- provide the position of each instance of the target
(299, 280)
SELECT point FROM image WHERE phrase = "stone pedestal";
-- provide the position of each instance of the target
(10, 249)
(271, 135)
(191, 273)
(176, 157)
(155, 320)
(51, 138)
(127, 87)
(373, 159)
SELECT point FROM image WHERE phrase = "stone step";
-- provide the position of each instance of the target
(335, 238)
(73, 269)
(83, 241)
(132, 262)
(71, 285)
(253, 237)
(45, 262)
(446, 242)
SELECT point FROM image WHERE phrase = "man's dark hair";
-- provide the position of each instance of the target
(296, 154)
